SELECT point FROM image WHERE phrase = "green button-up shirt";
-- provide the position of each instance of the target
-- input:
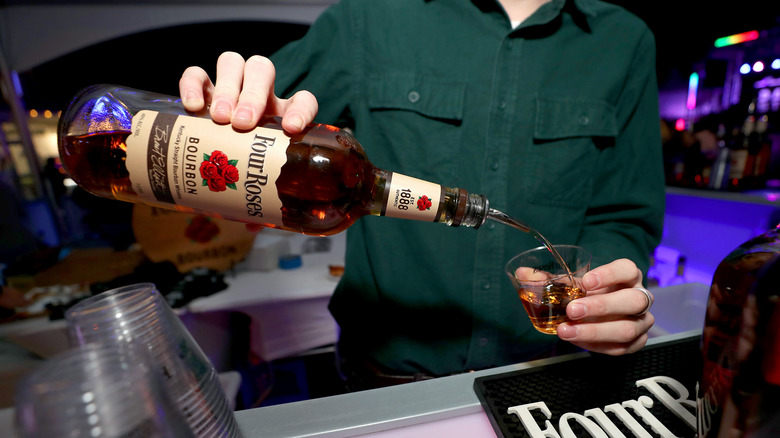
(556, 122)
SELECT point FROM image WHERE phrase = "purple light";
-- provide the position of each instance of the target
(745, 68)
(767, 82)
(693, 87)
(758, 67)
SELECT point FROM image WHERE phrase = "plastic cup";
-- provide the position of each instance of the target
(545, 286)
(97, 390)
(138, 314)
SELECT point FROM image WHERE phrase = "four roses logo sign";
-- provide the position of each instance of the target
(219, 173)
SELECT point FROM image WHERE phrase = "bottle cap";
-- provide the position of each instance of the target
(290, 261)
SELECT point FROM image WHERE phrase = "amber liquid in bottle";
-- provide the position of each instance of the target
(325, 185)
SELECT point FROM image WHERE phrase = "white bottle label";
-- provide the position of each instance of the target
(412, 198)
(193, 162)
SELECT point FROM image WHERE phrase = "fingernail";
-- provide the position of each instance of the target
(295, 121)
(243, 115)
(590, 281)
(222, 108)
(576, 310)
(566, 331)
(192, 98)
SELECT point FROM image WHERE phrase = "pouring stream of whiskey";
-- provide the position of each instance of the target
(505, 219)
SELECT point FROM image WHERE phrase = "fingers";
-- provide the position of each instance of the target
(298, 111)
(622, 272)
(624, 302)
(531, 274)
(616, 348)
(608, 319)
(619, 336)
(230, 77)
(244, 93)
(256, 89)
(195, 88)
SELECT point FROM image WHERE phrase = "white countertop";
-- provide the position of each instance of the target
(311, 280)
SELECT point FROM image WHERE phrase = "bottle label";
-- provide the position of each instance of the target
(412, 198)
(738, 160)
(193, 162)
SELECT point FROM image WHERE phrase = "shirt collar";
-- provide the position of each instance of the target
(549, 11)
(585, 6)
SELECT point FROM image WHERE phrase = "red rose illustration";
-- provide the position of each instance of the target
(219, 172)
(208, 170)
(217, 184)
(423, 203)
(230, 173)
(219, 158)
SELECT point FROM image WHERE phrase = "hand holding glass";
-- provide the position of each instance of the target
(545, 287)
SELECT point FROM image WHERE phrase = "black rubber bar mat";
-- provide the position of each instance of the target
(599, 383)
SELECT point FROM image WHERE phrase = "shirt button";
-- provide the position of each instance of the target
(495, 164)
(491, 225)
(485, 284)
(509, 46)
(413, 96)
(583, 120)
(502, 105)
(483, 342)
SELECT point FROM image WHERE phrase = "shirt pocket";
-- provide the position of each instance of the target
(420, 117)
(568, 136)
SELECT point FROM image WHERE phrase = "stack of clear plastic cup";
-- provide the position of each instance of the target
(138, 314)
(97, 391)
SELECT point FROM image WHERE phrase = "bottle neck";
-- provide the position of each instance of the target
(400, 196)
(471, 210)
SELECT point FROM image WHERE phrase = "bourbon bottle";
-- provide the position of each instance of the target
(138, 146)
(739, 389)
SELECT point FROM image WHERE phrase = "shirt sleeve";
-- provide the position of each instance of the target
(320, 62)
(626, 212)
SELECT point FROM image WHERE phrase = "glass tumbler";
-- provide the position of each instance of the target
(138, 314)
(547, 281)
(97, 390)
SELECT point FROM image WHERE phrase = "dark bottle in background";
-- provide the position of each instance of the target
(739, 389)
(761, 148)
(741, 159)
(719, 172)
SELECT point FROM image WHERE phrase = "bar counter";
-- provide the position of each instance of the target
(446, 406)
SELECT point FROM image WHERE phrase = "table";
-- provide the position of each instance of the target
(288, 308)
(446, 406)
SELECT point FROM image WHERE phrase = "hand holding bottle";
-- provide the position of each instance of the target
(243, 93)
(613, 317)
